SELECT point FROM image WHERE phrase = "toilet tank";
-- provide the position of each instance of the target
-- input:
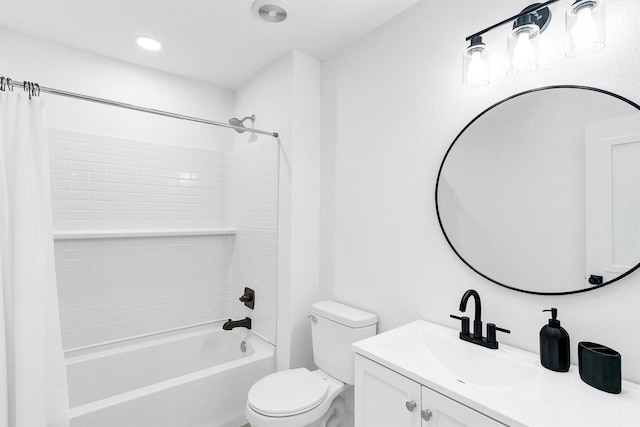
(334, 327)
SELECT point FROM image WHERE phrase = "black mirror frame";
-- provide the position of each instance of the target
(621, 98)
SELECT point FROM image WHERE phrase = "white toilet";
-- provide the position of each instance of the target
(303, 398)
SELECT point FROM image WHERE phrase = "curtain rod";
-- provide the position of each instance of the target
(35, 88)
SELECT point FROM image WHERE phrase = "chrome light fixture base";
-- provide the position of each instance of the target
(537, 16)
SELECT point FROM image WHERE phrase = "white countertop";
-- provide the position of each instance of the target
(543, 398)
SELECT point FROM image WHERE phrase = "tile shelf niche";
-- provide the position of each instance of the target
(133, 233)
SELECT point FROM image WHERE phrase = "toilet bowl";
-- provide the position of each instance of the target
(304, 398)
(294, 398)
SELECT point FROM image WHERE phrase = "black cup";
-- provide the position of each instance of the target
(600, 366)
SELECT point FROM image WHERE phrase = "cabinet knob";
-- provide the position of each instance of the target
(411, 405)
(426, 414)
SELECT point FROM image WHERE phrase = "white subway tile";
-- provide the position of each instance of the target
(89, 186)
(70, 155)
(106, 158)
(89, 147)
(70, 175)
(69, 195)
(122, 188)
(123, 170)
(167, 173)
(61, 164)
(88, 166)
(105, 177)
(60, 184)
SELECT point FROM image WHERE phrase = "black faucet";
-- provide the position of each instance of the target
(477, 322)
(476, 337)
(244, 323)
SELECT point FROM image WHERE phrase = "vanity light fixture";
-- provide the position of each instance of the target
(585, 33)
(585, 27)
(523, 45)
(476, 64)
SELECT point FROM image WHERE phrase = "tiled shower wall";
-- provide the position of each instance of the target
(116, 288)
(252, 198)
(113, 183)
(113, 288)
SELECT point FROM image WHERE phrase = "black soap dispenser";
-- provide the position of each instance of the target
(554, 345)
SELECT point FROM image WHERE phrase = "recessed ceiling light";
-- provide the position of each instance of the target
(148, 43)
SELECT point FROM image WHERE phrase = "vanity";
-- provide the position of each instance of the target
(525, 198)
(423, 374)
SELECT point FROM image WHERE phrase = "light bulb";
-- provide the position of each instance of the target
(476, 72)
(523, 51)
(585, 26)
(585, 22)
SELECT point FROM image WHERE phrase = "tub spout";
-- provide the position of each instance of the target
(244, 323)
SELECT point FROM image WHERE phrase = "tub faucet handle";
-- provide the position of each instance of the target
(249, 298)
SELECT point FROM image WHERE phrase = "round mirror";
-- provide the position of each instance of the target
(541, 192)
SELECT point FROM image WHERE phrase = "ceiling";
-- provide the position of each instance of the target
(219, 41)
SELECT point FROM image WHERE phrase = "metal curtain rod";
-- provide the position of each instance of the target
(21, 84)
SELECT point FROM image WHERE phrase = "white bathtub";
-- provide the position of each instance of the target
(194, 378)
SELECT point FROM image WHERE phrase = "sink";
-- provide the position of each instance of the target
(471, 364)
(440, 351)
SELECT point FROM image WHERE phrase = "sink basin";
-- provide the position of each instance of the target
(440, 351)
(473, 364)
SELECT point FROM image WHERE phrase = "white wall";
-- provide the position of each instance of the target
(58, 67)
(285, 97)
(392, 103)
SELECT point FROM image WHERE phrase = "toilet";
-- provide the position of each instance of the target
(303, 398)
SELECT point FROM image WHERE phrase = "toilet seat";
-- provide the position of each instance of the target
(303, 390)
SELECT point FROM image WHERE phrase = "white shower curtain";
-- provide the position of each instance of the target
(33, 385)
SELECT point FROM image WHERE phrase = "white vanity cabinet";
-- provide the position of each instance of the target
(384, 398)
(440, 411)
(454, 383)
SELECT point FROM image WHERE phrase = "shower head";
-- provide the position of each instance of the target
(240, 123)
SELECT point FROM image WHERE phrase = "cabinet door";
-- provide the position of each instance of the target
(440, 411)
(384, 398)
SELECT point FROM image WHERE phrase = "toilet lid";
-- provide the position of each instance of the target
(287, 393)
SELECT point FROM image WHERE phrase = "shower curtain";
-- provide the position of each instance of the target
(33, 385)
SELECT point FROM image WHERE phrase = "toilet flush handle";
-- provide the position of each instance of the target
(313, 318)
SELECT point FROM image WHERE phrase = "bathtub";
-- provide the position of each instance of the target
(191, 378)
